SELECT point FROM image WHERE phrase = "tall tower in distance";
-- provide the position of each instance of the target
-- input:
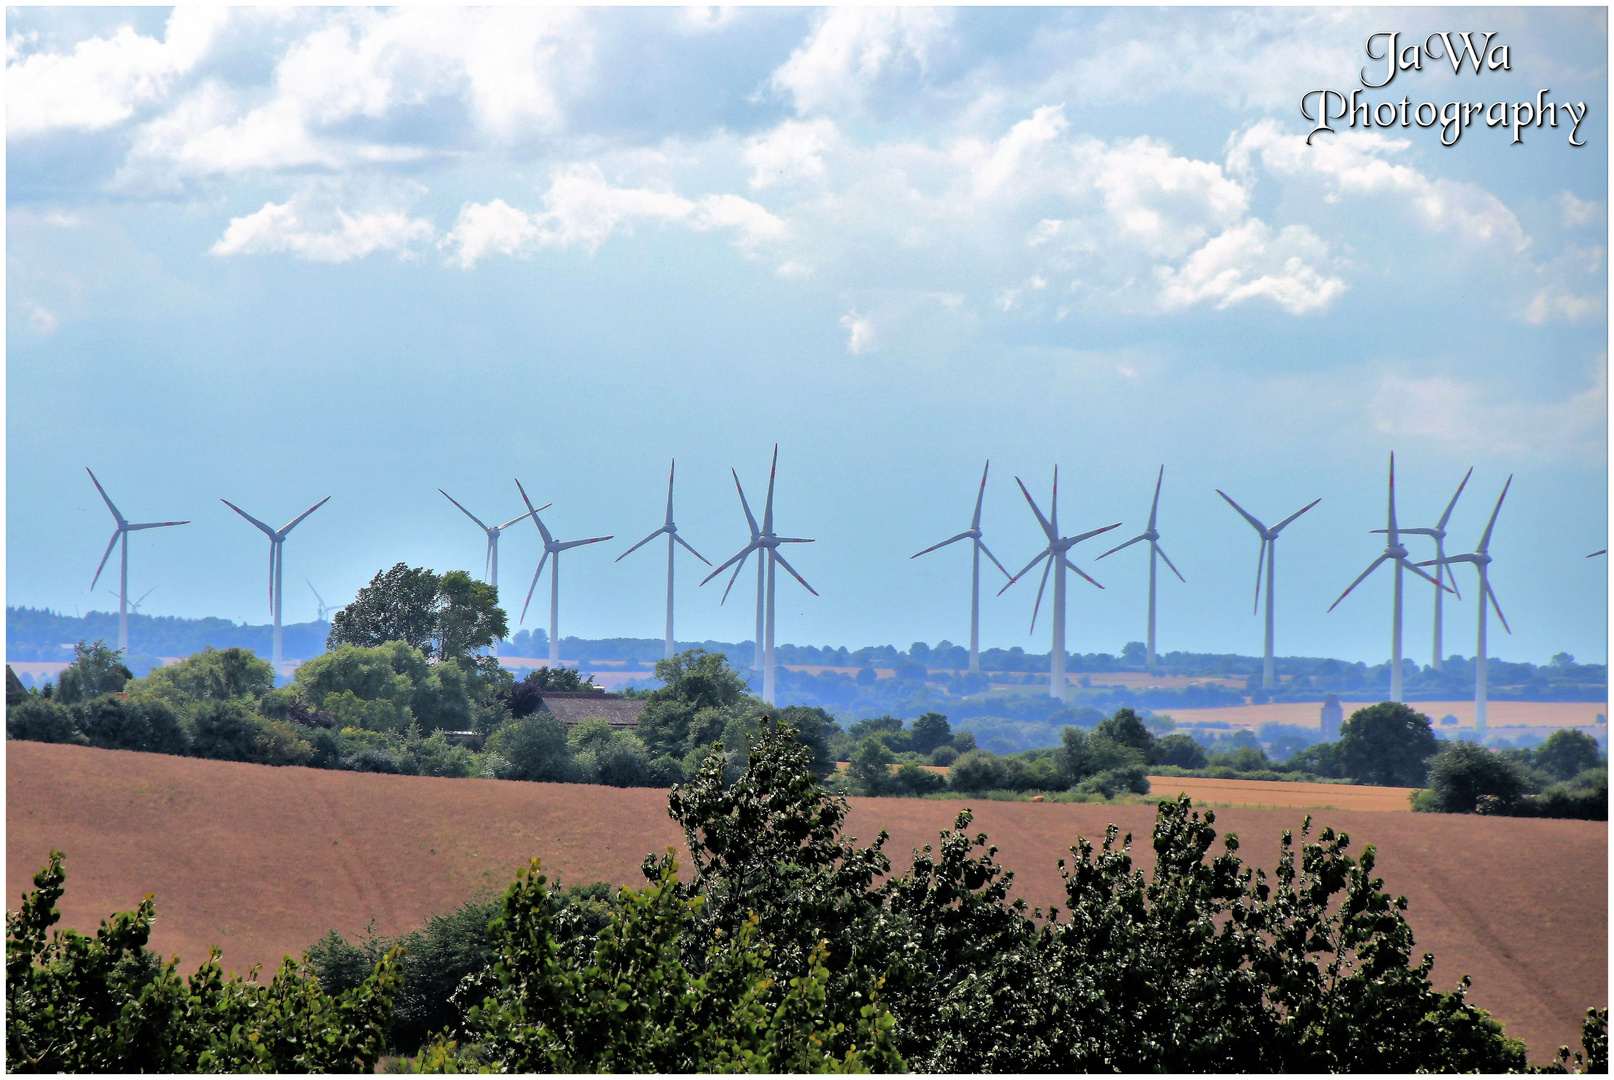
(1333, 716)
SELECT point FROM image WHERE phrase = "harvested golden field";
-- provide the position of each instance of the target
(1264, 793)
(262, 860)
(1498, 714)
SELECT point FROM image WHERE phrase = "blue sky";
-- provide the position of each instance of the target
(273, 256)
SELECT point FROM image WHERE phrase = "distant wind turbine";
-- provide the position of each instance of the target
(973, 534)
(121, 533)
(1268, 553)
(277, 541)
(1395, 552)
(134, 605)
(1152, 535)
(1058, 562)
(766, 543)
(490, 563)
(324, 608)
(1439, 533)
(1602, 551)
(672, 537)
(551, 547)
(1481, 558)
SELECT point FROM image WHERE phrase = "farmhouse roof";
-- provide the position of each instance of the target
(574, 707)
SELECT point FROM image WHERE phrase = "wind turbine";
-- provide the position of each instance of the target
(1057, 560)
(551, 547)
(1269, 552)
(277, 540)
(324, 608)
(121, 533)
(490, 564)
(672, 537)
(1153, 536)
(973, 533)
(766, 543)
(1481, 559)
(1439, 533)
(134, 605)
(1396, 552)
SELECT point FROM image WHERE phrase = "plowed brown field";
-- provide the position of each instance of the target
(262, 861)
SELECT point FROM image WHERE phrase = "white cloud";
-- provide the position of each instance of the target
(1463, 417)
(1247, 262)
(792, 151)
(851, 48)
(1554, 302)
(103, 80)
(295, 228)
(1577, 212)
(859, 333)
(583, 209)
(40, 321)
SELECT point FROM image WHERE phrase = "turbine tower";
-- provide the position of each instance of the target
(277, 540)
(672, 537)
(756, 533)
(973, 533)
(1396, 552)
(1481, 559)
(1152, 535)
(1439, 533)
(1268, 554)
(551, 547)
(121, 533)
(1059, 562)
(766, 543)
(490, 563)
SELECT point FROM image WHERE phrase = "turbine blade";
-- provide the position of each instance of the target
(669, 489)
(975, 522)
(749, 518)
(143, 596)
(691, 550)
(542, 559)
(640, 544)
(1496, 606)
(1260, 564)
(1391, 529)
(569, 544)
(1413, 567)
(549, 541)
(1485, 541)
(780, 559)
(115, 515)
(1450, 559)
(1079, 570)
(1374, 565)
(1162, 553)
(1154, 507)
(1038, 605)
(1016, 577)
(292, 524)
(994, 558)
(732, 577)
(1441, 524)
(738, 556)
(944, 543)
(794, 540)
(767, 510)
(1089, 534)
(153, 525)
(518, 517)
(464, 511)
(1278, 528)
(1245, 514)
(1046, 527)
(1601, 551)
(267, 530)
(109, 544)
(1122, 547)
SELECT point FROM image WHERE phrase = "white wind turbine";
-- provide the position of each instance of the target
(1152, 535)
(277, 540)
(551, 547)
(766, 543)
(490, 563)
(121, 533)
(324, 608)
(1439, 534)
(672, 537)
(134, 605)
(973, 533)
(1268, 555)
(1396, 552)
(1059, 562)
(1481, 558)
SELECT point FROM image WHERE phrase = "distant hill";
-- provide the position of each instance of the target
(42, 634)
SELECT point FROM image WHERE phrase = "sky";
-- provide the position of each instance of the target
(273, 256)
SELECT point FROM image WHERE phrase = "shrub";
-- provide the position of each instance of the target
(1112, 782)
(41, 719)
(914, 780)
(116, 724)
(1179, 750)
(870, 767)
(1464, 772)
(229, 731)
(535, 747)
(622, 761)
(209, 675)
(1566, 753)
(943, 755)
(977, 770)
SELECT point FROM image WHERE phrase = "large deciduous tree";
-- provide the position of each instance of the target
(1388, 743)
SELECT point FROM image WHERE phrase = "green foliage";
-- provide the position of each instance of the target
(43, 719)
(1180, 750)
(1243, 759)
(1082, 755)
(978, 770)
(930, 731)
(106, 1004)
(1387, 743)
(1463, 774)
(114, 724)
(96, 669)
(229, 731)
(387, 687)
(210, 675)
(1127, 729)
(399, 604)
(1566, 753)
(535, 748)
(632, 1004)
(870, 767)
(699, 695)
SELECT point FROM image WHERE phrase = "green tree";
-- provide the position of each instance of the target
(229, 731)
(113, 724)
(399, 604)
(96, 669)
(43, 719)
(930, 731)
(1126, 728)
(1387, 743)
(870, 767)
(1463, 773)
(107, 1005)
(1180, 750)
(699, 695)
(210, 675)
(1566, 753)
(348, 679)
(469, 618)
(535, 747)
